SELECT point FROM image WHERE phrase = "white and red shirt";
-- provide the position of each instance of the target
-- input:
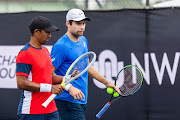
(36, 65)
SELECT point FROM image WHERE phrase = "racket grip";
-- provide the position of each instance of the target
(46, 103)
(101, 112)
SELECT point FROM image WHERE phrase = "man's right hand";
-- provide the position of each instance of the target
(57, 89)
(76, 93)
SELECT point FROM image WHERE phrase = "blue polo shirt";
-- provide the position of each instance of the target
(64, 52)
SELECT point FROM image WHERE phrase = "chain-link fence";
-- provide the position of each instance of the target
(11, 6)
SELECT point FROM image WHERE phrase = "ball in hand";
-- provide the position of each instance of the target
(110, 90)
(115, 94)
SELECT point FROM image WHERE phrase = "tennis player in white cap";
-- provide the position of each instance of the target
(72, 102)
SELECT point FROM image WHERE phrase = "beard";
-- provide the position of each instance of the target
(80, 33)
(77, 34)
(44, 42)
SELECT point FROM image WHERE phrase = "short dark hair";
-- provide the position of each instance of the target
(32, 31)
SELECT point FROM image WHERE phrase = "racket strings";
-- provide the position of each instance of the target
(91, 57)
(132, 81)
(83, 63)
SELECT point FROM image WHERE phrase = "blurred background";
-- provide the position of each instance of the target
(13, 6)
(144, 33)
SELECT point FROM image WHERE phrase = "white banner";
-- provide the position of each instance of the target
(8, 56)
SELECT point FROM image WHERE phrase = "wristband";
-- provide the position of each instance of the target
(67, 87)
(45, 87)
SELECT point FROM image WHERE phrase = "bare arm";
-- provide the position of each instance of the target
(25, 84)
(56, 79)
(95, 74)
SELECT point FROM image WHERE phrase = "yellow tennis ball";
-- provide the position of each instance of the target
(110, 90)
(115, 94)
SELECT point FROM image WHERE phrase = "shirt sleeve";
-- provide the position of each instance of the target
(23, 64)
(58, 55)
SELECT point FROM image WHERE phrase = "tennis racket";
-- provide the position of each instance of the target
(132, 79)
(82, 63)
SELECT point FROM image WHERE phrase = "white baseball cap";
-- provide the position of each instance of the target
(76, 15)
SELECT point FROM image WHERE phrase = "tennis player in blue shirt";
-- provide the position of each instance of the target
(71, 103)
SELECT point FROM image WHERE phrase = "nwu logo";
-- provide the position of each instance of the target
(110, 68)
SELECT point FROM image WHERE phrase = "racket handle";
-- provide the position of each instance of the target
(101, 112)
(46, 103)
